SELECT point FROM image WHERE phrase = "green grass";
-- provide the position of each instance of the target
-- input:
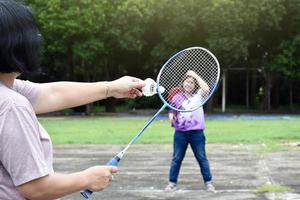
(273, 188)
(113, 130)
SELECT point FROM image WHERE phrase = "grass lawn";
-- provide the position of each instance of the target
(114, 130)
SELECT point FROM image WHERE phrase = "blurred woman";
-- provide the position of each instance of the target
(189, 127)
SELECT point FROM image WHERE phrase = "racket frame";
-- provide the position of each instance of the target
(170, 60)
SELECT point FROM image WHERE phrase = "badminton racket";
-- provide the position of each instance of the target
(196, 62)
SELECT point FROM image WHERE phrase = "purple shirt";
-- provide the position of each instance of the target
(25, 147)
(187, 121)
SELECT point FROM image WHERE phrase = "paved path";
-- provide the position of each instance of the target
(238, 170)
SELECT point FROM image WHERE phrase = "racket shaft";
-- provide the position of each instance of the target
(116, 159)
(148, 123)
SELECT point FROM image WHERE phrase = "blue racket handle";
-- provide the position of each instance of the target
(113, 162)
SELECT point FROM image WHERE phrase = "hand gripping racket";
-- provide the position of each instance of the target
(195, 62)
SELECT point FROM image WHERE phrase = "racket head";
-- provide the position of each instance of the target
(174, 78)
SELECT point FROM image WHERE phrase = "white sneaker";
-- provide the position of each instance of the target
(210, 187)
(171, 187)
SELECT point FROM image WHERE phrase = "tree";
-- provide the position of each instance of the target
(281, 23)
(90, 40)
(86, 37)
(287, 62)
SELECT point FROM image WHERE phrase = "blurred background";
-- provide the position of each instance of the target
(257, 43)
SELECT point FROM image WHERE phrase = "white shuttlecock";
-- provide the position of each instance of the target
(161, 89)
(150, 88)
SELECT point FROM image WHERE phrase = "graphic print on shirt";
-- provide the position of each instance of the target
(188, 120)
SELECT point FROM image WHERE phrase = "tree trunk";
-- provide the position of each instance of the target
(247, 90)
(276, 94)
(209, 105)
(88, 78)
(110, 105)
(291, 94)
(70, 62)
(253, 89)
(266, 102)
(88, 108)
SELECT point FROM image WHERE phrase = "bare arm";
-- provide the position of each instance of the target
(58, 185)
(172, 117)
(203, 85)
(60, 95)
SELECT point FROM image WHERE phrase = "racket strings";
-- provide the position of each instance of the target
(172, 76)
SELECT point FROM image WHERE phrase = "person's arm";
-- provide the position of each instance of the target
(172, 117)
(27, 166)
(203, 85)
(58, 185)
(60, 95)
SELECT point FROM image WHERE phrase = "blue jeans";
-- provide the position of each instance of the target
(197, 141)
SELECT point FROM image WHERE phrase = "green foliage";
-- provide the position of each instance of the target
(95, 32)
(91, 40)
(287, 61)
(97, 109)
(143, 103)
(66, 111)
(85, 33)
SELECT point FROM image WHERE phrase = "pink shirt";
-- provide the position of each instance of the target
(25, 146)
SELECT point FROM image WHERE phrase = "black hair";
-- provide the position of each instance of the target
(196, 84)
(20, 39)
